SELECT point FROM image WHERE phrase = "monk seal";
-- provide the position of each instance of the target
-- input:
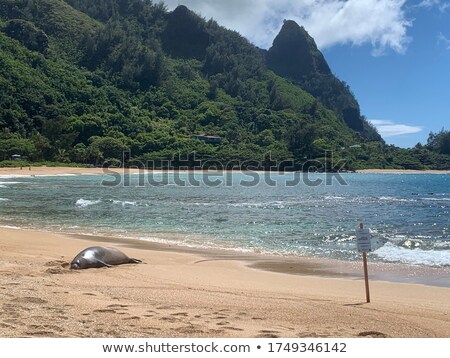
(98, 256)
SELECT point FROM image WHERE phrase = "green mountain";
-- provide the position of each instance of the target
(83, 80)
(294, 55)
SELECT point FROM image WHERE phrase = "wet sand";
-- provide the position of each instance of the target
(179, 293)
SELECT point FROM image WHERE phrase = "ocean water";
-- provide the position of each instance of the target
(408, 215)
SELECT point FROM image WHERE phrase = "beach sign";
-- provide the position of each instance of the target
(364, 246)
(363, 243)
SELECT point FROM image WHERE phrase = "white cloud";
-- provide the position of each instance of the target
(381, 23)
(444, 40)
(442, 5)
(390, 129)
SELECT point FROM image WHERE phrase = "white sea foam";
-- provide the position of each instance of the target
(12, 176)
(436, 199)
(125, 203)
(55, 175)
(10, 227)
(391, 198)
(193, 244)
(269, 204)
(393, 253)
(82, 203)
(12, 182)
(4, 199)
(334, 197)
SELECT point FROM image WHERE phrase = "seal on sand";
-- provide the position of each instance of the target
(99, 256)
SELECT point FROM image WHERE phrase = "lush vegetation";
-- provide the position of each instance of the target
(82, 81)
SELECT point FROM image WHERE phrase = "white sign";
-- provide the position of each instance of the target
(363, 243)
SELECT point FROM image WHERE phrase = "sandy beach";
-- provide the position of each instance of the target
(181, 292)
(95, 171)
(56, 171)
(401, 171)
(188, 294)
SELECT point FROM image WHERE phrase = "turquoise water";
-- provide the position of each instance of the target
(409, 215)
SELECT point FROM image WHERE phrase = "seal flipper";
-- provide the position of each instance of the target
(135, 261)
(104, 263)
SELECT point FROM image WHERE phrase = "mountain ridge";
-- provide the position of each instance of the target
(120, 76)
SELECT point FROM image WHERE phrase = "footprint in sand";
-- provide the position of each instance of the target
(117, 306)
(224, 323)
(268, 334)
(57, 270)
(372, 334)
(41, 333)
(183, 314)
(107, 310)
(57, 267)
(233, 329)
(165, 307)
(312, 335)
(189, 330)
(34, 300)
(132, 318)
(169, 319)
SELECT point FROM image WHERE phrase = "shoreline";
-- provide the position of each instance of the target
(401, 171)
(16, 171)
(291, 264)
(284, 264)
(181, 294)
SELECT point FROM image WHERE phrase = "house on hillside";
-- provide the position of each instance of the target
(210, 139)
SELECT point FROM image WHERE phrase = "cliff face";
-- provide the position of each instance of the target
(185, 36)
(294, 53)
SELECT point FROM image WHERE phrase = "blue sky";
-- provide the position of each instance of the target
(394, 54)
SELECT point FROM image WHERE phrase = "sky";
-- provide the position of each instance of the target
(394, 54)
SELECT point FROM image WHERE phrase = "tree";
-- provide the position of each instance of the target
(28, 34)
(108, 147)
(301, 139)
(439, 142)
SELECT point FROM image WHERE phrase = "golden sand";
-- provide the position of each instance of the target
(186, 294)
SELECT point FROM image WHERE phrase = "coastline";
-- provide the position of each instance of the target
(177, 293)
(43, 170)
(401, 171)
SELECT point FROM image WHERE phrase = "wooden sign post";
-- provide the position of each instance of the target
(364, 246)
